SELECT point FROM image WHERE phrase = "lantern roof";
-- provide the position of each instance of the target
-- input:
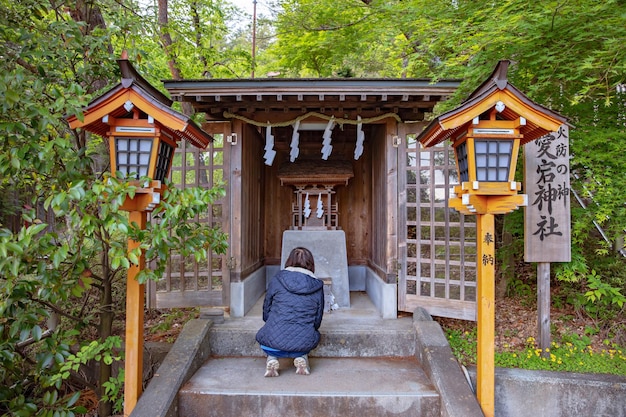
(495, 92)
(136, 95)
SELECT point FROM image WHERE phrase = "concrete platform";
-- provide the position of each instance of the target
(361, 310)
(337, 386)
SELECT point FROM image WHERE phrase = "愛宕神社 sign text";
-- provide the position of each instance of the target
(547, 226)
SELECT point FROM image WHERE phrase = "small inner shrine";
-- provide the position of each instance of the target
(315, 219)
(314, 206)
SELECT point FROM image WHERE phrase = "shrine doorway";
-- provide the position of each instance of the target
(340, 187)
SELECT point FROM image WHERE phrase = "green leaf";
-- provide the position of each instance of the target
(72, 400)
(122, 228)
(24, 334)
(15, 267)
(36, 333)
(36, 228)
(132, 256)
(15, 248)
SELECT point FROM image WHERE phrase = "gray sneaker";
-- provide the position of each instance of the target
(302, 365)
(271, 366)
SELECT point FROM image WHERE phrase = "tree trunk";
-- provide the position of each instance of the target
(105, 330)
(88, 12)
(197, 27)
(166, 41)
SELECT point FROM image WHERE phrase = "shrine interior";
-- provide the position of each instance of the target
(352, 199)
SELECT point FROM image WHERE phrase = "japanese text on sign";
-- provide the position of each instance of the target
(547, 228)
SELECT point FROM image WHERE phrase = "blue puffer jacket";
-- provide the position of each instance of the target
(292, 311)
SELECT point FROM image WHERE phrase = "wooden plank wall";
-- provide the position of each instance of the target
(379, 207)
(277, 208)
(252, 201)
(355, 202)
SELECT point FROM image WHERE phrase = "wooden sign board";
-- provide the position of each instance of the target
(547, 224)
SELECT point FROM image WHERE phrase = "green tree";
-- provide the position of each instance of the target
(334, 38)
(62, 265)
(189, 39)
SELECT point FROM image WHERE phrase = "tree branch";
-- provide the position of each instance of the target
(57, 310)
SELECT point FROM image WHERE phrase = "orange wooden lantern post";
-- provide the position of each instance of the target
(143, 132)
(486, 160)
(486, 132)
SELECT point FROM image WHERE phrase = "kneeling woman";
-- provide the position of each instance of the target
(292, 312)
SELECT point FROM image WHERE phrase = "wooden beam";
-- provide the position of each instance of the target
(391, 192)
(135, 299)
(485, 367)
(543, 307)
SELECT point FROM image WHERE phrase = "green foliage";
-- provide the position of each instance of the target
(463, 345)
(598, 176)
(61, 267)
(330, 38)
(175, 226)
(114, 392)
(603, 293)
(200, 43)
(41, 270)
(572, 354)
(92, 351)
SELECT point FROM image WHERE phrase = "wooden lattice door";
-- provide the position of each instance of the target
(187, 283)
(437, 245)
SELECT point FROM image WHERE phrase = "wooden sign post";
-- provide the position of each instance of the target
(547, 225)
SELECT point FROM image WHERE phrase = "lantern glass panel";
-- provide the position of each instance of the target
(493, 159)
(133, 156)
(461, 156)
(164, 161)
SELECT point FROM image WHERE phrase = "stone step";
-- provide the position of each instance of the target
(345, 387)
(358, 331)
(340, 338)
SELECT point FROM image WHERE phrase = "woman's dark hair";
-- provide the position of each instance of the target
(301, 258)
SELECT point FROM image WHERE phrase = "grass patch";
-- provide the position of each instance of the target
(570, 354)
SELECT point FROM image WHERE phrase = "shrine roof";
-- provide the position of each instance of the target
(305, 172)
(278, 98)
